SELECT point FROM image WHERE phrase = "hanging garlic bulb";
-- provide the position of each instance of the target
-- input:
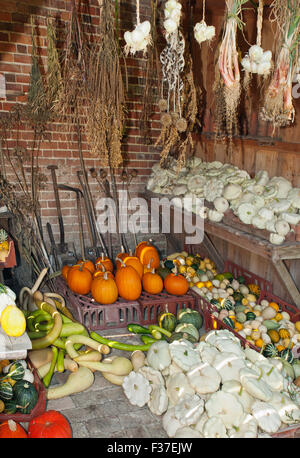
(258, 61)
(202, 31)
(172, 15)
(139, 38)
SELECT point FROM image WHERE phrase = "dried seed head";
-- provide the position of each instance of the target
(166, 119)
(93, 173)
(124, 175)
(163, 105)
(181, 125)
(175, 116)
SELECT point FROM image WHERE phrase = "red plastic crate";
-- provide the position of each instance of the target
(40, 406)
(152, 305)
(95, 316)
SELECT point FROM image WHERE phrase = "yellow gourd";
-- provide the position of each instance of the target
(238, 326)
(259, 343)
(297, 325)
(274, 305)
(284, 333)
(274, 336)
(13, 321)
(280, 347)
(2, 406)
(278, 317)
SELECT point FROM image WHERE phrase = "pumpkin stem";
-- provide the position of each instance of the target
(12, 425)
(102, 256)
(121, 261)
(105, 276)
(149, 263)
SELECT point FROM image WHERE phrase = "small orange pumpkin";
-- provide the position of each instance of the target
(146, 251)
(148, 267)
(64, 271)
(101, 271)
(79, 279)
(104, 289)
(121, 256)
(88, 264)
(133, 261)
(104, 261)
(128, 282)
(152, 282)
(176, 284)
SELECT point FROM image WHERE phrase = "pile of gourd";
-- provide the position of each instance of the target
(266, 203)
(215, 388)
(18, 392)
(197, 270)
(264, 325)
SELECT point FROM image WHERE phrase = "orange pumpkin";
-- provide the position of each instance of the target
(121, 256)
(88, 264)
(135, 263)
(148, 267)
(65, 270)
(152, 282)
(101, 271)
(176, 284)
(79, 279)
(104, 261)
(128, 282)
(145, 251)
(104, 289)
(9, 429)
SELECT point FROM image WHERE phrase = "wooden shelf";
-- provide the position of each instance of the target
(276, 254)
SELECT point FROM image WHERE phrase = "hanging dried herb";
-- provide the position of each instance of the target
(104, 92)
(278, 105)
(53, 76)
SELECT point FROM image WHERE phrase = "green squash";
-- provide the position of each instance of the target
(241, 279)
(237, 296)
(195, 266)
(188, 328)
(190, 316)
(228, 276)
(250, 316)
(169, 264)
(16, 371)
(6, 391)
(227, 304)
(239, 308)
(26, 395)
(228, 321)
(270, 324)
(10, 406)
(270, 351)
(162, 272)
(219, 277)
(287, 355)
(216, 304)
(241, 317)
(167, 320)
(200, 272)
(181, 336)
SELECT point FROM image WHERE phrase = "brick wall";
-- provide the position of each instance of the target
(60, 147)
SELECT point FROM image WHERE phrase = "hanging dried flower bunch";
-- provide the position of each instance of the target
(104, 92)
(227, 85)
(202, 31)
(140, 38)
(179, 106)
(278, 102)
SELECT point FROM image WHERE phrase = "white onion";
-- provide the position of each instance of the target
(145, 27)
(137, 36)
(246, 64)
(127, 38)
(267, 56)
